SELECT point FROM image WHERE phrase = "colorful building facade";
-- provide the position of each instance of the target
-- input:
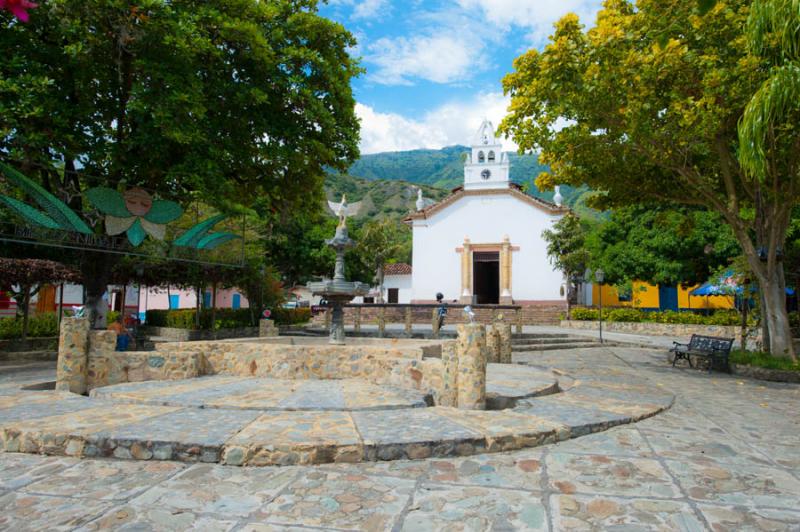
(646, 296)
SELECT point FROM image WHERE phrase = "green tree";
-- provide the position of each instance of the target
(650, 99)
(566, 249)
(769, 145)
(380, 242)
(662, 244)
(230, 100)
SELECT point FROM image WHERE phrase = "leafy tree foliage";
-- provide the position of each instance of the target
(662, 245)
(230, 100)
(566, 248)
(652, 96)
(381, 242)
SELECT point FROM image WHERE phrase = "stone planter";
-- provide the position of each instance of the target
(681, 330)
(766, 374)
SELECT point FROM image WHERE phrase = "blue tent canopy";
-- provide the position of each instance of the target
(724, 286)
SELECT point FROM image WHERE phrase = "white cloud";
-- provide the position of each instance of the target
(437, 58)
(536, 15)
(452, 123)
(364, 9)
(369, 8)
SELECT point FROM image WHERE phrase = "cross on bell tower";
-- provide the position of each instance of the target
(487, 167)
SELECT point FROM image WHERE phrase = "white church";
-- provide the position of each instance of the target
(483, 243)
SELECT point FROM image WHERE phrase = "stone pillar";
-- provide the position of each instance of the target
(493, 344)
(466, 273)
(328, 317)
(518, 316)
(503, 331)
(471, 353)
(381, 321)
(104, 364)
(336, 335)
(449, 396)
(73, 355)
(408, 317)
(266, 328)
(435, 322)
(505, 271)
(357, 319)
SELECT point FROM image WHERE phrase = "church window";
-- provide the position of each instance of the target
(486, 174)
(491, 156)
(481, 157)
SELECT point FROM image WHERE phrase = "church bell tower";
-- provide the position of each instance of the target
(487, 167)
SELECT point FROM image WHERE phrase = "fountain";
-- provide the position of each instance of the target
(338, 291)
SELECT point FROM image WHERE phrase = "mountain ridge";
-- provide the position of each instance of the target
(387, 181)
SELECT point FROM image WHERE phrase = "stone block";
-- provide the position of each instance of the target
(267, 328)
(73, 348)
(472, 354)
(493, 344)
(503, 331)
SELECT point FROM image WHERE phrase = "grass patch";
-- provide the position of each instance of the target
(763, 360)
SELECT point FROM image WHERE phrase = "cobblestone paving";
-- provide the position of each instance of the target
(724, 457)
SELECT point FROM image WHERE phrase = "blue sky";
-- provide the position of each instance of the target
(434, 68)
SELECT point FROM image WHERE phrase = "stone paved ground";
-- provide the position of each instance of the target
(725, 457)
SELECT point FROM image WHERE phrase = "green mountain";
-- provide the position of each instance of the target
(441, 168)
(386, 180)
(380, 197)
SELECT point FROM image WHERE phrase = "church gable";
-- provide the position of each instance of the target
(513, 191)
(486, 173)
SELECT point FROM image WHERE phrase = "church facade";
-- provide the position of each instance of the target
(483, 243)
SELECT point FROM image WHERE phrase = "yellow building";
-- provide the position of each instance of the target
(652, 297)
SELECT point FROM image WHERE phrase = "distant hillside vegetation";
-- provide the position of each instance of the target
(385, 180)
(382, 198)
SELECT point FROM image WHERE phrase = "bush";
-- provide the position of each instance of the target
(625, 314)
(40, 325)
(291, 316)
(226, 318)
(585, 314)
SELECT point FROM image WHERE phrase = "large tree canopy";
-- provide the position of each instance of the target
(662, 245)
(230, 100)
(649, 101)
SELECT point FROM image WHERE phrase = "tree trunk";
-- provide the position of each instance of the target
(776, 316)
(96, 272)
(197, 298)
(213, 305)
(379, 277)
(26, 309)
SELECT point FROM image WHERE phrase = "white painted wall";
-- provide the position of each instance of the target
(402, 283)
(484, 219)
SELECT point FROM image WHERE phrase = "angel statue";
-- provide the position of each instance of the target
(343, 210)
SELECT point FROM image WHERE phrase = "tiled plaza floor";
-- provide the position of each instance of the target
(726, 456)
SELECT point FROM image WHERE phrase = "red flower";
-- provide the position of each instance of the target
(18, 8)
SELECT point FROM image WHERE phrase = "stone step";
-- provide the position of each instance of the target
(22, 356)
(552, 347)
(560, 340)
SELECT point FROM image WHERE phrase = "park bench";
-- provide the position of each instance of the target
(716, 350)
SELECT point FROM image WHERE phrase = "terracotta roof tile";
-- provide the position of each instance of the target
(400, 268)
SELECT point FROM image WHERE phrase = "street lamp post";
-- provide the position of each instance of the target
(600, 276)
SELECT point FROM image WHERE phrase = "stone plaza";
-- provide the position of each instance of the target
(717, 452)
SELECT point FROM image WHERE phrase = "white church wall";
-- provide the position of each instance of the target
(484, 219)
